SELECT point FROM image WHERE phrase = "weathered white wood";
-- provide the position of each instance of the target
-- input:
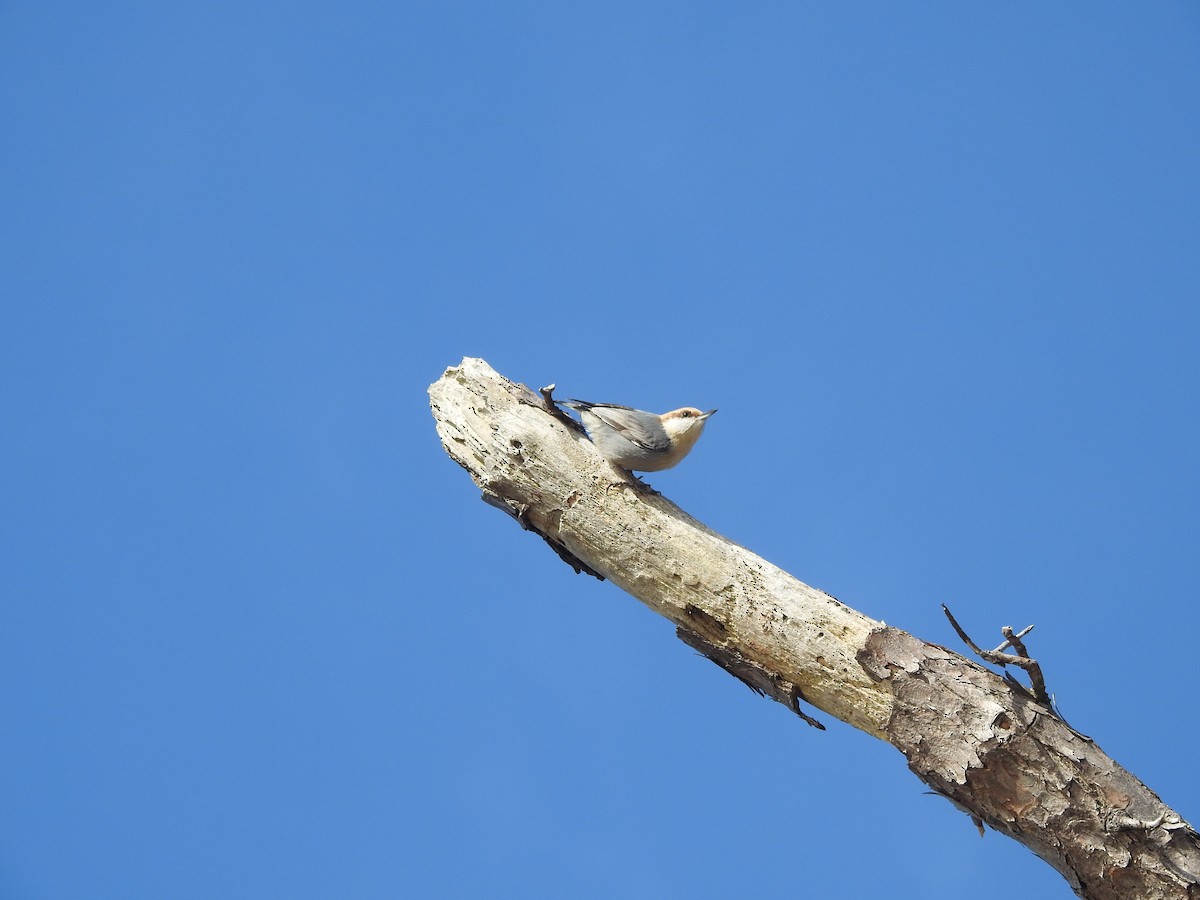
(646, 545)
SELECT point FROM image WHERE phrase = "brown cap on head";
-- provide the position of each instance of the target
(687, 412)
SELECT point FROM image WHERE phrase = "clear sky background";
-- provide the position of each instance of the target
(936, 264)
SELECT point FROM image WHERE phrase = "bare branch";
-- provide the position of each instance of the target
(983, 742)
(999, 658)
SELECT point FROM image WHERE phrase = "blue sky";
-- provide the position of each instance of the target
(937, 267)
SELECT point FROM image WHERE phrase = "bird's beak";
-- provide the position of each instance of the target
(707, 414)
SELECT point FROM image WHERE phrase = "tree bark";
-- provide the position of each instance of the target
(968, 733)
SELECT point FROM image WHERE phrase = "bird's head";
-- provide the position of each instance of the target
(684, 425)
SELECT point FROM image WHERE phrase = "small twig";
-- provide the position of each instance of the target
(1015, 640)
(962, 635)
(552, 407)
(999, 658)
(1036, 681)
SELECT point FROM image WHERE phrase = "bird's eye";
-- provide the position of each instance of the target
(686, 414)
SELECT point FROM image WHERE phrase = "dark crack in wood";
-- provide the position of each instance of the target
(705, 624)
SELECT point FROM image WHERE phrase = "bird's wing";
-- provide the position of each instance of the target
(635, 426)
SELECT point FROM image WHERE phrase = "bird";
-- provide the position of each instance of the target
(640, 441)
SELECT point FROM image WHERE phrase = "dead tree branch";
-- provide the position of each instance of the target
(999, 754)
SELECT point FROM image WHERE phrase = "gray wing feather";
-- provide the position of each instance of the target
(635, 426)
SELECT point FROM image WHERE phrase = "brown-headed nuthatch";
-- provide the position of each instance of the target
(640, 441)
